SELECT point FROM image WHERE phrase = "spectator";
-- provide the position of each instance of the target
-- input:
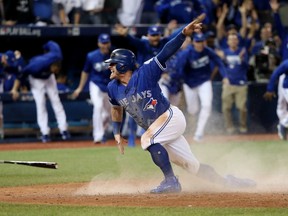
(222, 30)
(41, 71)
(180, 10)
(109, 12)
(235, 91)
(99, 78)
(43, 11)
(280, 29)
(91, 11)
(18, 12)
(149, 15)
(66, 12)
(194, 67)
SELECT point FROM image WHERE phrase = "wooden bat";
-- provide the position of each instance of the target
(50, 165)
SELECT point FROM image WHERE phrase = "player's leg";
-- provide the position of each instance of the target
(97, 98)
(191, 99)
(162, 131)
(227, 102)
(241, 105)
(38, 91)
(281, 109)
(205, 95)
(60, 115)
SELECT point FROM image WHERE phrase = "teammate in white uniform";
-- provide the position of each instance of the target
(281, 73)
(137, 91)
(99, 78)
(195, 66)
(40, 72)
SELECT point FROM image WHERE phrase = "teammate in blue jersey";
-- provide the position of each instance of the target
(41, 71)
(194, 65)
(97, 70)
(137, 91)
(235, 91)
(281, 73)
(8, 67)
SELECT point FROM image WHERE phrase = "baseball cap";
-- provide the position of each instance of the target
(104, 38)
(10, 57)
(154, 30)
(199, 37)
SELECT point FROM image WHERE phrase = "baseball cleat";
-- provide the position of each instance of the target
(65, 135)
(45, 138)
(282, 132)
(234, 182)
(168, 185)
(198, 138)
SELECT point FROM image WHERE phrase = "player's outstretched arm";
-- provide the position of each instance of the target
(175, 43)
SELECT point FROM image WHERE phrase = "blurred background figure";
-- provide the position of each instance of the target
(99, 78)
(41, 71)
(43, 11)
(236, 90)
(194, 66)
(17, 12)
(130, 12)
(91, 11)
(66, 12)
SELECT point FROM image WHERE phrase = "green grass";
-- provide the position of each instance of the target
(253, 159)
(46, 210)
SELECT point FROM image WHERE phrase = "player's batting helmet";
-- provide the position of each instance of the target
(124, 60)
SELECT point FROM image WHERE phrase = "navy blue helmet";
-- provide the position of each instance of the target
(124, 60)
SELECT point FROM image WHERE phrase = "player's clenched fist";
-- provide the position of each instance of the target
(194, 26)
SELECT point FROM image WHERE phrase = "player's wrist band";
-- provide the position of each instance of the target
(116, 127)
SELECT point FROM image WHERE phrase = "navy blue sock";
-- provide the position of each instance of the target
(161, 158)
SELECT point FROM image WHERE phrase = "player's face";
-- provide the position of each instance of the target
(154, 39)
(104, 47)
(114, 73)
(199, 45)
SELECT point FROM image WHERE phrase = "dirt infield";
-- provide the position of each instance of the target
(76, 193)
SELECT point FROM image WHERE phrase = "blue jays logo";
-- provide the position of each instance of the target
(150, 105)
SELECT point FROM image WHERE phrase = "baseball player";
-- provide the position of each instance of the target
(194, 65)
(280, 73)
(147, 47)
(99, 78)
(137, 91)
(235, 91)
(40, 72)
(7, 68)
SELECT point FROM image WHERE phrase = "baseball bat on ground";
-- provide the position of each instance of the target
(50, 165)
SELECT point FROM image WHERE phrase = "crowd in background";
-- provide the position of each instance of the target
(248, 36)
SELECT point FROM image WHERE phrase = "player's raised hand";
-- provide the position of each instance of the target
(194, 26)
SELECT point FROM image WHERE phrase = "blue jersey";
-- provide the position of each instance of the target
(43, 9)
(39, 66)
(236, 67)
(142, 97)
(281, 69)
(97, 69)
(181, 10)
(283, 35)
(145, 50)
(195, 67)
